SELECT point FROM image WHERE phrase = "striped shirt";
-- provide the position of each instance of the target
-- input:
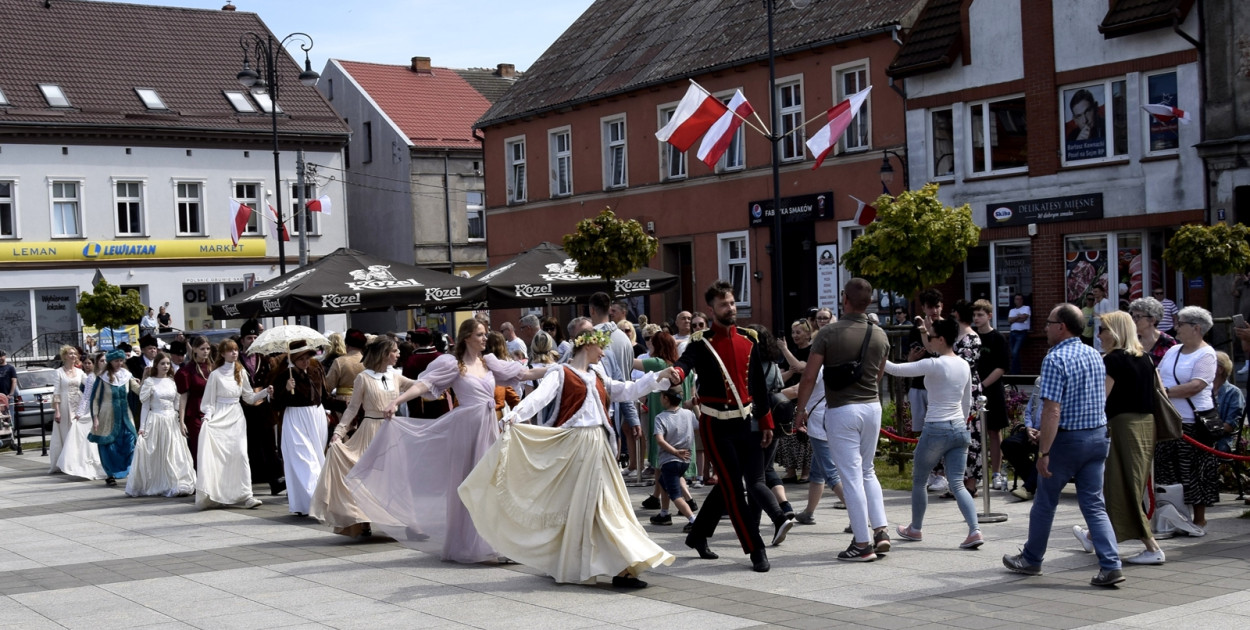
(1074, 376)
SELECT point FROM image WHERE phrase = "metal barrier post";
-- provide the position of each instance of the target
(43, 429)
(16, 415)
(986, 516)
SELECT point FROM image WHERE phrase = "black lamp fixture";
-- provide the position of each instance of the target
(887, 169)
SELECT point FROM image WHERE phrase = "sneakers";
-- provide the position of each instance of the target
(1022, 494)
(782, 528)
(787, 509)
(651, 503)
(688, 528)
(973, 541)
(805, 518)
(694, 507)
(662, 519)
(999, 482)
(1017, 564)
(251, 503)
(907, 533)
(858, 554)
(881, 541)
(1081, 537)
(1147, 557)
(1108, 577)
(937, 483)
(697, 483)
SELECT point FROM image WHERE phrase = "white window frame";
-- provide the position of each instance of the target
(726, 263)
(670, 157)
(861, 123)
(792, 117)
(515, 167)
(239, 102)
(613, 150)
(258, 204)
(179, 200)
(1108, 122)
(294, 210)
(933, 157)
(986, 132)
(77, 200)
(54, 96)
(848, 231)
(4, 100)
(151, 98)
(11, 201)
(1144, 97)
(470, 209)
(560, 159)
(142, 185)
(265, 102)
(737, 146)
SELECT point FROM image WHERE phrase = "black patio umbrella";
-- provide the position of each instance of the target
(347, 280)
(546, 274)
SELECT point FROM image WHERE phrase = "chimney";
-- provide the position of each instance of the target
(421, 65)
(228, 7)
(506, 71)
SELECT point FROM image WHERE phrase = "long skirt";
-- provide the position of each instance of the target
(1176, 461)
(332, 501)
(1128, 472)
(303, 453)
(162, 464)
(223, 475)
(553, 499)
(79, 457)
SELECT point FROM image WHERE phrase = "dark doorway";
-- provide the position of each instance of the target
(679, 261)
(798, 268)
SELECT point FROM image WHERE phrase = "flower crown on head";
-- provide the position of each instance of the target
(601, 338)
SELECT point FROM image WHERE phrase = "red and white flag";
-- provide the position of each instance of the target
(717, 140)
(320, 204)
(239, 215)
(864, 213)
(273, 224)
(1166, 113)
(839, 117)
(695, 114)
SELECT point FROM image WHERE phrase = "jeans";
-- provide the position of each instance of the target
(1020, 452)
(947, 442)
(1017, 344)
(1079, 455)
(918, 400)
(852, 431)
(823, 469)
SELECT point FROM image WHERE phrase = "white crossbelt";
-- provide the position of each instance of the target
(734, 414)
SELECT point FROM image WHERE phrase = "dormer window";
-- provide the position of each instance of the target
(240, 102)
(54, 95)
(150, 98)
(262, 99)
(4, 100)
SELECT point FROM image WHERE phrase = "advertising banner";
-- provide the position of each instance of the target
(133, 250)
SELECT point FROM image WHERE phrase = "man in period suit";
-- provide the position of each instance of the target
(136, 365)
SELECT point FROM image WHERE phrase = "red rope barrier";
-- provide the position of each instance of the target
(1220, 454)
(898, 438)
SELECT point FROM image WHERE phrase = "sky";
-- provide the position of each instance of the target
(452, 33)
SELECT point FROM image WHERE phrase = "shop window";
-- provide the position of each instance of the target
(1013, 273)
(999, 138)
(15, 315)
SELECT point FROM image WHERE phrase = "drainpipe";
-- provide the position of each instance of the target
(1202, 95)
(451, 265)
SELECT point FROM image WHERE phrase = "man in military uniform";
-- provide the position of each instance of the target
(731, 376)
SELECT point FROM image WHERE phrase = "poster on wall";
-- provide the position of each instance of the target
(827, 276)
(56, 315)
(1085, 123)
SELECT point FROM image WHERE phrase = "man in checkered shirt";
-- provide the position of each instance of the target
(1072, 445)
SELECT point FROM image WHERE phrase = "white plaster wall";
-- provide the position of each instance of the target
(1078, 44)
(997, 52)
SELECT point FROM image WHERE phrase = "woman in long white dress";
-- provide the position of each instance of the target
(162, 464)
(406, 482)
(302, 399)
(112, 427)
(552, 497)
(224, 473)
(68, 448)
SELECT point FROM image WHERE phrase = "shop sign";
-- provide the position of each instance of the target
(793, 209)
(1050, 210)
(827, 275)
(80, 251)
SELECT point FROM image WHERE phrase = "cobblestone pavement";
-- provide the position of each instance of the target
(80, 555)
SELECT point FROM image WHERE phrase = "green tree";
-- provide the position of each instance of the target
(1209, 250)
(108, 307)
(915, 242)
(609, 247)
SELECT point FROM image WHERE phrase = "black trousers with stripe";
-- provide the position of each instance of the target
(739, 463)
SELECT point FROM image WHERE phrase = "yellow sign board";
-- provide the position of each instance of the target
(132, 250)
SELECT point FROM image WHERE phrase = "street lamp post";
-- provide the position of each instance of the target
(887, 169)
(778, 295)
(266, 50)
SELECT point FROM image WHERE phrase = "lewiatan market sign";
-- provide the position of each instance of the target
(133, 250)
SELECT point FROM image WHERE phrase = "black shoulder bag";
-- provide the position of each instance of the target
(844, 375)
(1208, 427)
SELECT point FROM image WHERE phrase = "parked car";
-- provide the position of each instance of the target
(34, 399)
(214, 335)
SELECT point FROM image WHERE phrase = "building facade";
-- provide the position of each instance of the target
(123, 165)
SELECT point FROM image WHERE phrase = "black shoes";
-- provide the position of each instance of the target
(277, 487)
(759, 561)
(628, 581)
(694, 507)
(881, 541)
(1017, 564)
(699, 544)
(1108, 577)
(786, 509)
(110, 482)
(780, 530)
(662, 519)
(688, 528)
(855, 553)
(651, 503)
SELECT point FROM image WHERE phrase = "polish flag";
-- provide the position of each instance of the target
(239, 215)
(321, 204)
(864, 213)
(839, 117)
(717, 140)
(1166, 113)
(273, 224)
(695, 114)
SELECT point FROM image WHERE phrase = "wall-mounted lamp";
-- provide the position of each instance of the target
(758, 275)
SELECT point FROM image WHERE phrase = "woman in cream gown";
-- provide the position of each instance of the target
(112, 427)
(426, 513)
(224, 473)
(68, 448)
(552, 497)
(162, 464)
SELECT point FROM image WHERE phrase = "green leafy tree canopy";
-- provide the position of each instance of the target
(915, 242)
(1209, 250)
(107, 307)
(609, 247)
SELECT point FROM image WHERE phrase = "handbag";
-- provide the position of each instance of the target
(1208, 427)
(1167, 418)
(844, 375)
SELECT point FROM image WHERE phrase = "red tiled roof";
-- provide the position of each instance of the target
(435, 110)
(933, 41)
(1126, 17)
(99, 52)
